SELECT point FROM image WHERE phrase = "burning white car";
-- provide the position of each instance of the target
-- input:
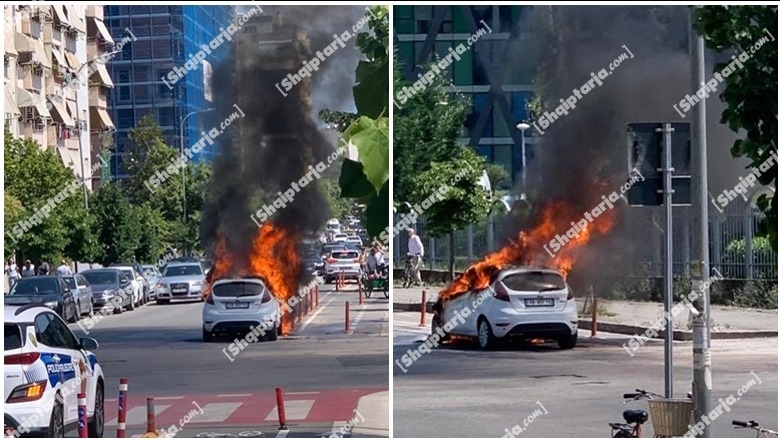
(236, 305)
(524, 303)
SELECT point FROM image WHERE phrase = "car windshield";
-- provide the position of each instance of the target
(71, 282)
(238, 289)
(128, 273)
(100, 277)
(13, 337)
(534, 282)
(35, 286)
(177, 271)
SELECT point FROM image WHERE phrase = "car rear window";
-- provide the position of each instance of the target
(35, 286)
(13, 337)
(534, 282)
(238, 289)
(100, 277)
(344, 255)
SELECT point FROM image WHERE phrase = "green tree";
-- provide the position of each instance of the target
(119, 228)
(497, 175)
(748, 112)
(368, 180)
(339, 207)
(13, 212)
(32, 177)
(428, 156)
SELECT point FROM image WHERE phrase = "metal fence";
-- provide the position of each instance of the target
(734, 248)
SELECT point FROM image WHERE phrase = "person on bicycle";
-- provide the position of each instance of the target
(380, 259)
(416, 251)
(371, 263)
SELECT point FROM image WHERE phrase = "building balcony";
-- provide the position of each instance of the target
(98, 97)
(95, 12)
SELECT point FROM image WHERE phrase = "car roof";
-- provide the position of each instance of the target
(514, 270)
(183, 263)
(252, 280)
(26, 313)
(40, 277)
(123, 266)
(105, 269)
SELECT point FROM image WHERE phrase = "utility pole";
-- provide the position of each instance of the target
(668, 259)
(702, 358)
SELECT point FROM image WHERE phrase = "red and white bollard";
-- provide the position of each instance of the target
(150, 425)
(422, 310)
(280, 408)
(122, 409)
(83, 432)
(360, 293)
(346, 317)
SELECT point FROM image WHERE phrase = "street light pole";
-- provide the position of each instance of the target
(523, 127)
(181, 152)
(78, 122)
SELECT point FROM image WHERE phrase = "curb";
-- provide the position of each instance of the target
(625, 329)
(375, 408)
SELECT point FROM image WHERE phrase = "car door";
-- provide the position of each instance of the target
(68, 298)
(452, 310)
(61, 357)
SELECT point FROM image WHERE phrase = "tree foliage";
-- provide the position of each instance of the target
(368, 180)
(751, 110)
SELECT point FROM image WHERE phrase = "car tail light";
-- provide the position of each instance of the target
(356, 260)
(331, 260)
(210, 299)
(266, 296)
(27, 392)
(500, 292)
(22, 359)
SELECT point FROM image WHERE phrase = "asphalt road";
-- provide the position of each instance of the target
(323, 371)
(459, 391)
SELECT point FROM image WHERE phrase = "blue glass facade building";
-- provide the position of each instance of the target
(498, 90)
(163, 37)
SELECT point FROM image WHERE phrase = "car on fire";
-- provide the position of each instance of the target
(237, 305)
(523, 303)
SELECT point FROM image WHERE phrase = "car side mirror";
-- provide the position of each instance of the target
(88, 344)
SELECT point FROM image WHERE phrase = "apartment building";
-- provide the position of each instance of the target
(54, 79)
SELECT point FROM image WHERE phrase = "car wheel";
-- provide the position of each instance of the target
(96, 426)
(485, 334)
(207, 336)
(91, 312)
(273, 334)
(567, 342)
(57, 422)
(436, 324)
(162, 301)
(74, 314)
(131, 306)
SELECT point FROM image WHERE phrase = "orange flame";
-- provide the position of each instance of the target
(274, 258)
(556, 219)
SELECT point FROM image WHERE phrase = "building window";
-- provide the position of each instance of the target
(165, 116)
(123, 75)
(160, 26)
(446, 24)
(142, 50)
(423, 15)
(142, 93)
(163, 92)
(124, 93)
(162, 49)
(125, 118)
(139, 10)
(159, 9)
(142, 73)
(482, 13)
(140, 26)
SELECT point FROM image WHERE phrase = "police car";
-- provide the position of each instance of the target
(46, 367)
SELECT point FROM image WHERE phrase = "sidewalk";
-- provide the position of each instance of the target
(375, 408)
(629, 317)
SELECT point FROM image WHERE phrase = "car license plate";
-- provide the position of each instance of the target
(237, 305)
(539, 302)
(179, 290)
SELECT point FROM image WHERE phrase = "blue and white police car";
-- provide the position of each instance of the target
(46, 367)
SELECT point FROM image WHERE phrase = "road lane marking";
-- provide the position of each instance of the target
(294, 410)
(298, 393)
(169, 398)
(137, 415)
(217, 412)
(234, 395)
(311, 318)
(359, 316)
(282, 433)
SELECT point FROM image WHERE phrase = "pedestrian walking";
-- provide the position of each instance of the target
(64, 269)
(44, 269)
(416, 251)
(12, 271)
(28, 270)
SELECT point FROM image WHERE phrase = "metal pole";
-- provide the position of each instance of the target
(522, 151)
(668, 261)
(183, 180)
(702, 360)
(81, 155)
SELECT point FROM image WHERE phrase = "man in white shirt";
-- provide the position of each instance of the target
(417, 252)
(64, 269)
(28, 270)
(13, 272)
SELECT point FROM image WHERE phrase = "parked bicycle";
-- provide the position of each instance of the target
(634, 418)
(408, 278)
(752, 424)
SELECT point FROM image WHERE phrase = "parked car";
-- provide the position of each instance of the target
(48, 290)
(180, 281)
(82, 293)
(152, 275)
(238, 303)
(344, 260)
(42, 359)
(108, 283)
(340, 237)
(354, 239)
(140, 287)
(523, 302)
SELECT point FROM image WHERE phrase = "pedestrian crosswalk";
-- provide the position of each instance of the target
(240, 409)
